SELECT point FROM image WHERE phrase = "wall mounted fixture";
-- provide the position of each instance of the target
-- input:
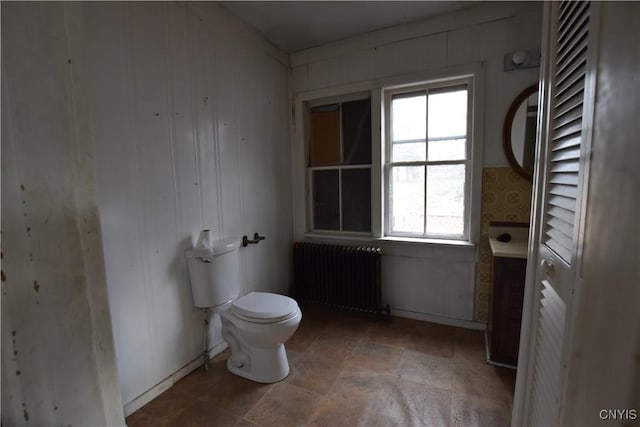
(522, 59)
(256, 239)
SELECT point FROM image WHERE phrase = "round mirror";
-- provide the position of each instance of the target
(519, 131)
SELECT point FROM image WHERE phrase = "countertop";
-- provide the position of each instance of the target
(516, 248)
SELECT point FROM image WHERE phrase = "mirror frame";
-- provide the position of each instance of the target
(506, 130)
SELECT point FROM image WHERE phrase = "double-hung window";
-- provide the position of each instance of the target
(339, 166)
(406, 173)
(428, 160)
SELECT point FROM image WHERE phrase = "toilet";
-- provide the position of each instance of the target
(255, 325)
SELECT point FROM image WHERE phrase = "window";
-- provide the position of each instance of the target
(399, 160)
(339, 166)
(428, 160)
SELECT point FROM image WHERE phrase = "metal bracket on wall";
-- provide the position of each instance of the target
(256, 239)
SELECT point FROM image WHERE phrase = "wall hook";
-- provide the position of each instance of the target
(256, 239)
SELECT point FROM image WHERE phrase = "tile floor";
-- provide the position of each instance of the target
(347, 370)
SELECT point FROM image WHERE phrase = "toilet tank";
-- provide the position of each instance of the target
(214, 272)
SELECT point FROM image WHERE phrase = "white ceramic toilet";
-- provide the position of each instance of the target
(255, 325)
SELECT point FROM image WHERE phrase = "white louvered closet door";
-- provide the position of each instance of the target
(568, 101)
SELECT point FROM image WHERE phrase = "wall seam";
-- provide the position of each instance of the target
(170, 123)
(215, 131)
(195, 122)
(138, 186)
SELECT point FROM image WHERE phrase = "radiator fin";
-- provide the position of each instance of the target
(348, 277)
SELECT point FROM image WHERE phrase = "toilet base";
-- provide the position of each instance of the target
(264, 365)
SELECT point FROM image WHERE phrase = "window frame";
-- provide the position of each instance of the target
(424, 87)
(339, 99)
(376, 86)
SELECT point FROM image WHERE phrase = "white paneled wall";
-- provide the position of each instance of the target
(190, 126)
(58, 360)
(432, 282)
(429, 289)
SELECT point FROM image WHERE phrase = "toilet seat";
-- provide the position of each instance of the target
(263, 307)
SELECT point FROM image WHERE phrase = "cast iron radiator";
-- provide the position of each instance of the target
(347, 277)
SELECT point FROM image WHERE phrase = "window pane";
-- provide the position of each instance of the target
(326, 206)
(356, 132)
(448, 114)
(406, 192)
(445, 199)
(356, 199)
(324, 144)
(449, 149)
(408, 117)
(409, 152)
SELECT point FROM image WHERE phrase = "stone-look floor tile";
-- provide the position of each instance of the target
(406, 403)
(374, 357)
(284, 405)
(358, 385)
(433, 371)
(373, 413)
(353, 395)
(394, 333)
(317, 375)
(234, 393)
(312, 324)
(304, 335)
(491, 382)
(201, 382)
(292, 354)
(347, 324)
(167, 405)
(475, 411)
(335, 411)
(333, 347)
(202, 414)
(358, 389)
(342, 375)
(470, 346)
(140, 418)
(367, 399)
(429, 338)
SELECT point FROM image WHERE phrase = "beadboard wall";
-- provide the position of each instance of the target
(190, 126)
(58, 358)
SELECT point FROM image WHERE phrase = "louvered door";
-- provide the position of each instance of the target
(567, 88)
(567, 128)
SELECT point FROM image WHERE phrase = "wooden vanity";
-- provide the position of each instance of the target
(507, 291)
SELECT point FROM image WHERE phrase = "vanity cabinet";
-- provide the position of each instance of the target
(505, 310)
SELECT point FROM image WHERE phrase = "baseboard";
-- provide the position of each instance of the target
(164, 385)
(442, 320)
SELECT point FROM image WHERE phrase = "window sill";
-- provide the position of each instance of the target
(415, 240)
(450, 250)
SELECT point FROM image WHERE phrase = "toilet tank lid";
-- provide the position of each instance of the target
(219, 247)
(227, 245)
(263, 305)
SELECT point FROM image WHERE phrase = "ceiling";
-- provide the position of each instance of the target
(298, 25)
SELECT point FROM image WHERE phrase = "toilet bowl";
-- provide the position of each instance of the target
(256, 325)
